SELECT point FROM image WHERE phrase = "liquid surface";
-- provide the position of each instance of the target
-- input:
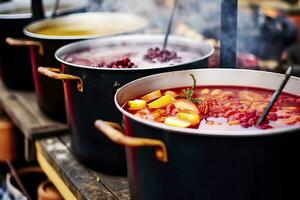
(75, 29)
(135, 52)
(93, 24)
(216, 108)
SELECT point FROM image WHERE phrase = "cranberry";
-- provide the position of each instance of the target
(169, 109)
(159, 55)
(272, 116)
(265, 126)
(245, 124)
(124, 62)
(229, 113)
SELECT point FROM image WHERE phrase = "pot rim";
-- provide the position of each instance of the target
(143, 23)
(73, 6)
(199, 132)
(58, 54)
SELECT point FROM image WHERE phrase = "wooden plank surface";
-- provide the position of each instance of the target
(22, 108)
(82, 182)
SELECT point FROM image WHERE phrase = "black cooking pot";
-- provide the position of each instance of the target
(181, 163)
(15, 67)
(43, 46)
(90, 96)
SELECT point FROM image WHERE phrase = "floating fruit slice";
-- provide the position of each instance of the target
(151, 96)
(205, 91)
(210, 122)
(186, 105)
(289, 121)
(259, 106)
(250, 96)
(162, 101)
(234, 122)
(215, 92)
(175, 121)
(172, 93)
(289, 108)
(191, 117)
(156, 113)
(137, 104)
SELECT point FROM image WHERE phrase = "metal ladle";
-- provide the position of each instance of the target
(275, 96)
(170, 22)
(54, 12)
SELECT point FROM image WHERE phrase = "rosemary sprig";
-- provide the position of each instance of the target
(188, 93)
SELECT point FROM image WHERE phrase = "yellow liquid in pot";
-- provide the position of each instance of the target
(65, 31)
(75, 30)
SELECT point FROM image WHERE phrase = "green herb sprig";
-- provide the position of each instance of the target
(188, 93)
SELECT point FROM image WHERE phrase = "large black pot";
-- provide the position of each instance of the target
(90, 96)
(183, 163)
(42, 47)
(15, 67)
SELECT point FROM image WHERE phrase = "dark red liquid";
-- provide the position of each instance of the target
(231, 108)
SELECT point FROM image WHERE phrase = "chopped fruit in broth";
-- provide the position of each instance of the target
(216, 108)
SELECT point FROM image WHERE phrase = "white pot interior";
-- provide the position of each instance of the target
(211, 77)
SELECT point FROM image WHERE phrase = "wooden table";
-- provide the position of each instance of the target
(22, 108)
(46, 140)
(72, 179)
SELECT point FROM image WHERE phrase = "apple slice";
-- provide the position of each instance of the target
(215, 92)
(172, 93)
(205, 91)
(137, 104)
(151, 96)
(191, 117)
(162, 101)
(175, 121)
(291, 120)
(289, 108)
(234, 122)
(186, 105)
(250, 96)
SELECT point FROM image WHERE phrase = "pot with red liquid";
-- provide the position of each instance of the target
(206, 145)
(93, 70)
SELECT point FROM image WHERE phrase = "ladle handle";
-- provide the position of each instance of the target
(169, 27)
(109, 129)
(275, 96)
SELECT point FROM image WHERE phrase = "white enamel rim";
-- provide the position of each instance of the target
(141, 23)
(74, 5)
(133, 38)
(199, 132)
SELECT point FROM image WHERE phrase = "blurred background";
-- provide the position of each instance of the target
(267, 30)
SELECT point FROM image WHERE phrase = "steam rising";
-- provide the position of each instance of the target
(199, 14)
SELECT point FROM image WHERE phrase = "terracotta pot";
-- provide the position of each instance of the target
(8, 150)
(47, 191)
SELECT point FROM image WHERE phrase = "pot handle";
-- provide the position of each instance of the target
(23, 42)
(113, 132)
(55, 73)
